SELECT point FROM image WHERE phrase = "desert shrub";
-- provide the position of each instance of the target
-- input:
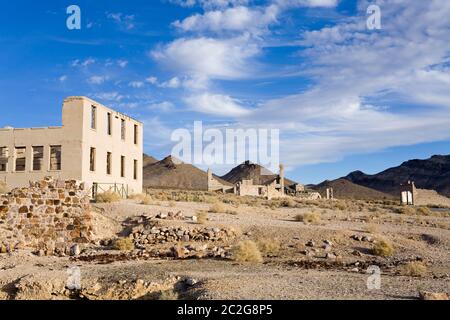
(146, 200)
(288, 203)
(341, 205)
(218, 207)
(137, 196)
(108, 197)
(443, 225)
(4, 187)
(424, 211)
(202, 217)
(124, 244)
(268, 246)
(310, 217)
(414, 269)
(406, 210)
(168, 295)
(247, 251)
(383, 248)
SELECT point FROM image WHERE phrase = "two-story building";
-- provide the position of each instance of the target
(95, 144)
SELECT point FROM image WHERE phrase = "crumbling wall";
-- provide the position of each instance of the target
(430, 197)
(50, 216)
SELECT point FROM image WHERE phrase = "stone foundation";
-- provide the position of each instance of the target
(49, 216)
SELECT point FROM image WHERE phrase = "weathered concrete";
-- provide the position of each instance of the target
(76, 137)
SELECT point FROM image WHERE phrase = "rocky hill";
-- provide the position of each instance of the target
(432, 174)
(345, 189)
(172, 174)
(257, 173)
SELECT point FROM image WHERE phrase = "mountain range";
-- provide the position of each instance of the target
(432, 174)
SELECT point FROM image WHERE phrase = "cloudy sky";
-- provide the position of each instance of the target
(344, 97)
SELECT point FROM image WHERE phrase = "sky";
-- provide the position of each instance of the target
(344, 97)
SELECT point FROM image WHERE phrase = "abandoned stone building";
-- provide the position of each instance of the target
(411, 195)
(95, 144)
(262, 185)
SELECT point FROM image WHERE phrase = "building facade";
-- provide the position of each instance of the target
(95, 144)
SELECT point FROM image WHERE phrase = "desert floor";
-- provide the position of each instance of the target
(298, 265)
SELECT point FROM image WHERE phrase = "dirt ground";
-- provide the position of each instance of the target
(326, 259)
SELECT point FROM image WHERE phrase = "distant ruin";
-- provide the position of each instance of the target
(411, 195)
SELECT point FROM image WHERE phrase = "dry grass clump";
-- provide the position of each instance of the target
(247, 251)
(202, 217)
(372, 228)
(383, 248)
(147, 200)
(288, 203)
(310, 217)
(414, 269)
(137, 196)
(218, 207)
(108, 197)
(4, 188)
(406, 210)
(269, 246)
(168, 295)
(124, 244)
(424, 211)
(341, 205)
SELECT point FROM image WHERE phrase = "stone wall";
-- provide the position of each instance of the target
(49, 216)
(430, 197)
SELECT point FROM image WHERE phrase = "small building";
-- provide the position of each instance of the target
(272, 187)
(408, 193)
(95, 144)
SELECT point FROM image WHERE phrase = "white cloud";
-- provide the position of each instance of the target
(363, 80)
(209, 57)
(109, 96)
(172, 83)
(63, 78)
(216, 104)
(97, 79)
(83, 63)
(164, 106)
(122, 63)
(136, 84)
(123, 20)
(152, 80)
(231, 19)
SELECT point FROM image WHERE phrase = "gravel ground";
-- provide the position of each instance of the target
(288, 274)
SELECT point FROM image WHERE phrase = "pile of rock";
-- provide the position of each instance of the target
(162, 234)
(200, 252)
(361, 238)
(171, 216)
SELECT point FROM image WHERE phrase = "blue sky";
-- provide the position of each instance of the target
(344, 97)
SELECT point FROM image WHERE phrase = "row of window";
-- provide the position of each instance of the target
(109, 163)
(109, 125)
(20, 158)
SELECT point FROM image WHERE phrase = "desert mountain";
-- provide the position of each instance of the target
(172, 174)
(148, 160)
(345, 189)
(257, 173)
(432, 173)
